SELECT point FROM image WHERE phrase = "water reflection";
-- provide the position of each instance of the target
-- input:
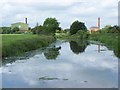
(78, 47)
(52, 53)
(117, 52)
(86, 70)
(24, 56)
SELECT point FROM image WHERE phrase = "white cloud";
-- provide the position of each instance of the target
(65, 11)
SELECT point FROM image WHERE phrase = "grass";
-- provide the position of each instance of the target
(111, 40)
(62, 36)
(75, 37)
(16, 44)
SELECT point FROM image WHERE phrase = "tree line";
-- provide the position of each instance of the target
(51, 26)
(8, 30)
(111, 29)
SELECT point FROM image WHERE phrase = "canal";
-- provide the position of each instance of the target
(63, 65)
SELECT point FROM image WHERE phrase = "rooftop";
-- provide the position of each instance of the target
(19, 23)
(94, 27)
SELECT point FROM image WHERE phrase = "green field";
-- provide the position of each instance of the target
(15, 44)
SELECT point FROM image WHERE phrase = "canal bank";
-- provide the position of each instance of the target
(16, 44)
(111, 40)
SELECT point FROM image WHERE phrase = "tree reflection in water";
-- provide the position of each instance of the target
(52, 53)
(78, 47)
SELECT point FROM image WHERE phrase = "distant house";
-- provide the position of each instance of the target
(22, 26)
(94, 29)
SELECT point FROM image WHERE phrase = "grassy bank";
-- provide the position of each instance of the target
(76, 37)
(111, 40)
(15, 44)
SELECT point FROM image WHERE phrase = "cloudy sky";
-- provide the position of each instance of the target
(66, 11)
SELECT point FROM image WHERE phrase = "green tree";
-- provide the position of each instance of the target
(14, 30)
(5, 30)
(115, 29)
(51, 25)
(106, 29)
(38, 30)
(34, 30)
(111, 29)
(76, 26)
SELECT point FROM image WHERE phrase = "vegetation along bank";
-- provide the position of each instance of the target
(16, 44)
(110, 37)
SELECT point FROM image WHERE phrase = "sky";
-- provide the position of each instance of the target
(65, 11)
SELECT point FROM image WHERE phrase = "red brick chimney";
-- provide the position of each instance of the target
(99, 23)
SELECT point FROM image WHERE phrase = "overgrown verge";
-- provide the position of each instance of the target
(80, 35)
(111, 40)
(14, 44)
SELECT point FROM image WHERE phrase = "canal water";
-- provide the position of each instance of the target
(63, 65)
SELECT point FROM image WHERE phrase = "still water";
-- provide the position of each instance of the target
(63, 65)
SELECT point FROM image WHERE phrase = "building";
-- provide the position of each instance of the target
(22, 26)
(95, 28)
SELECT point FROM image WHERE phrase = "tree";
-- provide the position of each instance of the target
(5, 30)
(33, 30)
(76, 26)
(59, 28)
(39, 29)
(115, 29)
(111, 29)
(67, 29)
(14, 30)
(51, 25)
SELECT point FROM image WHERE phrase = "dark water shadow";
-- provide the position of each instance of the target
(24, 56)
(78, 46)
(52, 53)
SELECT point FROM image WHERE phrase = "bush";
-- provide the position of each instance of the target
(111, 29)
(38, 30)
(14, 30)
(5, 30)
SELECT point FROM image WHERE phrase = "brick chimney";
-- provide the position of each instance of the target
(26, 20)
(99, 23)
